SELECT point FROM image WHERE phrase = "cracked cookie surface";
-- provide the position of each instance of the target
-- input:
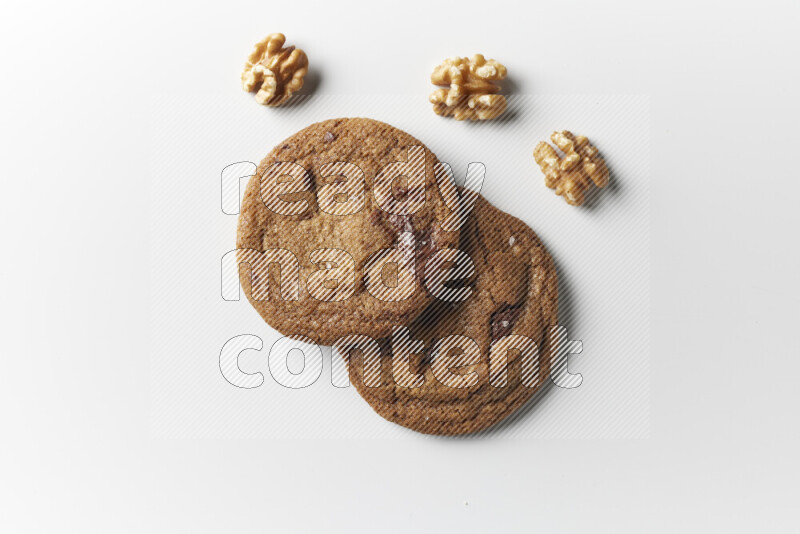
(366, 145)
(514, 292)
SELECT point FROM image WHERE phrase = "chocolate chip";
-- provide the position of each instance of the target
(427, 356)
(305, 215)
(458, 283)
(375, 217)
(329, 137)
(502, 320)
(284, 147)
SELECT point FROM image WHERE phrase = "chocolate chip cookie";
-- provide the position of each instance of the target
(512, 306)
(318, 219)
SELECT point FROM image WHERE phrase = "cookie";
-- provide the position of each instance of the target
(513, 292)
(319, 207)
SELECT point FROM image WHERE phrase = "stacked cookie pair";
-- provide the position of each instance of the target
(453, 361)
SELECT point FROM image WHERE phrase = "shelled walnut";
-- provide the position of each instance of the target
(274, 72)
(471, 94)
(572, 175)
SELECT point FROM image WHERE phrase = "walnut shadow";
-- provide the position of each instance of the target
(311, 82)
(598, 198)
(510, 115)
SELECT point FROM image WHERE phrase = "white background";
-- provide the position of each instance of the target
(79, 453)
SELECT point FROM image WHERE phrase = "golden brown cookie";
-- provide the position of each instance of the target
(314, 213)
(513, 299)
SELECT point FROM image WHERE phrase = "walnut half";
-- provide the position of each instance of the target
(274, 72)
(572, 175)
(471, 94)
